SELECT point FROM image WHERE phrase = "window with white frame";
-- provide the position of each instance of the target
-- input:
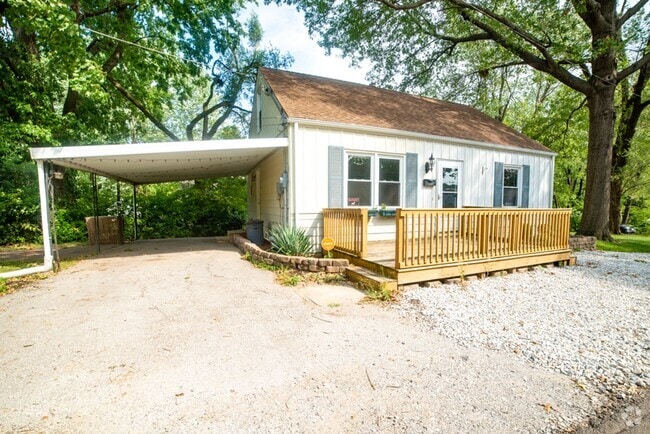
(374, 180)
(511, 186)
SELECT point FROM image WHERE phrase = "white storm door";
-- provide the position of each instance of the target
(449, 184)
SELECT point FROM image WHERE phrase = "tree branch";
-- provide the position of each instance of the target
(218, 123)
(630, 13)
(203, 115)
(113, 6)
(113, 60)
(622, 75)
(546, 63)
(531, 59)
(405, 7)
(132, 99)
(518, 31)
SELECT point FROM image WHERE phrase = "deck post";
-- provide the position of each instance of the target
(43, 187)
(364, 233)
(399, 237)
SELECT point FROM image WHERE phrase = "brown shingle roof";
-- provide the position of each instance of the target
(317, 98)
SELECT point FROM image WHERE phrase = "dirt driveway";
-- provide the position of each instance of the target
(184, 335)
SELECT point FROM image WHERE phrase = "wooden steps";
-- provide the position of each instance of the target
(370, 280)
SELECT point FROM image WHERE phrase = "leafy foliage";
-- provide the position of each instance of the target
(204, 208)
(289, 240)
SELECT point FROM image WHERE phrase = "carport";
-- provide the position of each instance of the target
(146, 163)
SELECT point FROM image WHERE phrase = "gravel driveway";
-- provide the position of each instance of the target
(183, 335)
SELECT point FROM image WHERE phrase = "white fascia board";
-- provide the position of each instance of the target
(97, 151)
(392, 132)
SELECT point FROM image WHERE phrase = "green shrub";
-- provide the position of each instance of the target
(290, 241)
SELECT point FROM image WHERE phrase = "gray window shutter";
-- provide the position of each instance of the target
(525, 188)
(498, 185)
(411, 181)
(335, 177)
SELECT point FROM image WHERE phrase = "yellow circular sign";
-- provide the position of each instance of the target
(327, 244)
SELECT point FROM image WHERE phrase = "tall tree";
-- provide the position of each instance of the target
(578, 43)
(632, 106)
(84, 68)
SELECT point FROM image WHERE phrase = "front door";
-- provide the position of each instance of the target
(449, 184)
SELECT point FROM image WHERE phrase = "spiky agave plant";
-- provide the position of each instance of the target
(290, 241)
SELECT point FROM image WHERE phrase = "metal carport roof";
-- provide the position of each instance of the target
(150, 163)
(147, 163)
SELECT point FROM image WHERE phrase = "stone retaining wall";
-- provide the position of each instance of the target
(582, 242)
(298, 262)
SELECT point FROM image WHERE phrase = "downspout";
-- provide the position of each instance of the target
(550, 197)
(135, 213)
(93, 178)
(285, 205)
(45, 226)
(292, 175)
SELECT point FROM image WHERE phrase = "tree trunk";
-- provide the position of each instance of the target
(615, 197)
(626, 211)
(595, 215)
(632, 107)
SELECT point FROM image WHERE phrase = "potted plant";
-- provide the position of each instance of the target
(384, 212)
(372, 212)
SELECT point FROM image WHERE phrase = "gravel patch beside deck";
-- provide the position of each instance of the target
(590, 322)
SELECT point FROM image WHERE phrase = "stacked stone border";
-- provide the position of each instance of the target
(315, 265)
(582, 242)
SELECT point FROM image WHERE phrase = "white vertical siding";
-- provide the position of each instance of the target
(270, 170)
(272, 125)
(311, 146)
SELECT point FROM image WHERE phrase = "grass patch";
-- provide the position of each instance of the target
(629, 243)
(38, 246)
(376, 294)
(288, 276)
(6, 266)
(8, 286)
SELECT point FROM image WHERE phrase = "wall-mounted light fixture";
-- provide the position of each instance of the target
(428, 166)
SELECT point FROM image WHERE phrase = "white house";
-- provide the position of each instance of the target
(352, 145)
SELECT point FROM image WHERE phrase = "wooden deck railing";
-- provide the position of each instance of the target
(433, 236)
(348, 227)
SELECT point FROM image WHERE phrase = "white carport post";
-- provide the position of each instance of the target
(45, 212)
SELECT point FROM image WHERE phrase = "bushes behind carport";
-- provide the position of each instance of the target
(171, 210)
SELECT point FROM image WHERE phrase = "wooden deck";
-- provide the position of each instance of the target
(438, 244)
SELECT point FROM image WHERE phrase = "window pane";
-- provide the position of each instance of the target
(510, 196)
(449, 179)
(359, 193)
(389, 194)
(450, 200)
(359, 167)
(510, 177)
(388, 170)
